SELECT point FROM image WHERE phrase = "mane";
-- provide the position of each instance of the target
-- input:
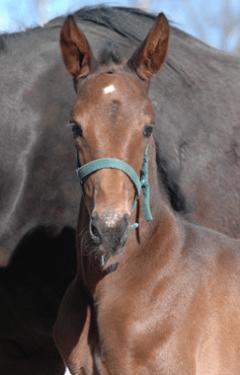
(118, 19)
(110, 18)
(110, 54)
(99, 15)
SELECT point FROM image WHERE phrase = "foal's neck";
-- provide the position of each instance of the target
(158, 231)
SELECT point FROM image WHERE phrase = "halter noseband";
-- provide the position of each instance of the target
(140, 183)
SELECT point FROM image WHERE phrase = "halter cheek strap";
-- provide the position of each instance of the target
(140, 183)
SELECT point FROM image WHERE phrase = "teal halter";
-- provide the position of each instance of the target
(141, 183)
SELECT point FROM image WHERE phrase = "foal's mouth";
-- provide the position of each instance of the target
(109, 236)
(108, 240)
(113, 249)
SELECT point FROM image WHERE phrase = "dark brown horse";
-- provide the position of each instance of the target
(160, 299)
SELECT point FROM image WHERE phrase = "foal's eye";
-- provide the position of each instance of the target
(76, 129)
(147, 131)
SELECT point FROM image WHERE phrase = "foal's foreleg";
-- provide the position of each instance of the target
(71, 330)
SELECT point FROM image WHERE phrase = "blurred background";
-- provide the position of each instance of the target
(216, 22)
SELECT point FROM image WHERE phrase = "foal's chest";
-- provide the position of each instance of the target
(135, 332)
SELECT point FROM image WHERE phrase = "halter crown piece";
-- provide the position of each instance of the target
(140, 183)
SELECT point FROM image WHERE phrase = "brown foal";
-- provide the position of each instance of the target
(160, 299)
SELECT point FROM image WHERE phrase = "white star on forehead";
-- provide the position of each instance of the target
(109, 89)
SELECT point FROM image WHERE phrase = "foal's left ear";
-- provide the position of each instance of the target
(76, 51)
(149, 57)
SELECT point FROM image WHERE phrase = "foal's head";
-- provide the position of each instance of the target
(112, 117)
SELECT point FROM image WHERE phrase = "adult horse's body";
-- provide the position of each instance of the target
(197, 107)
(160, 299)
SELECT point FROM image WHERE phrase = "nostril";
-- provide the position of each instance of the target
(95, 234)
(95, 231)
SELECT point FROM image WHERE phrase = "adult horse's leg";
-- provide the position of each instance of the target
(71, 331)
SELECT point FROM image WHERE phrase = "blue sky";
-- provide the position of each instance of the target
(202, 18)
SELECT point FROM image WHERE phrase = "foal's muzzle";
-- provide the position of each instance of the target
(109, 230)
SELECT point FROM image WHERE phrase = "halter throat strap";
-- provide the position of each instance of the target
(140, 183)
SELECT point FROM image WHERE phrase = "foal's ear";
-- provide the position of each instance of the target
(149, 57)
(76, 52)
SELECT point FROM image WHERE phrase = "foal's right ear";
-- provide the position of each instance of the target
(76, 52)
